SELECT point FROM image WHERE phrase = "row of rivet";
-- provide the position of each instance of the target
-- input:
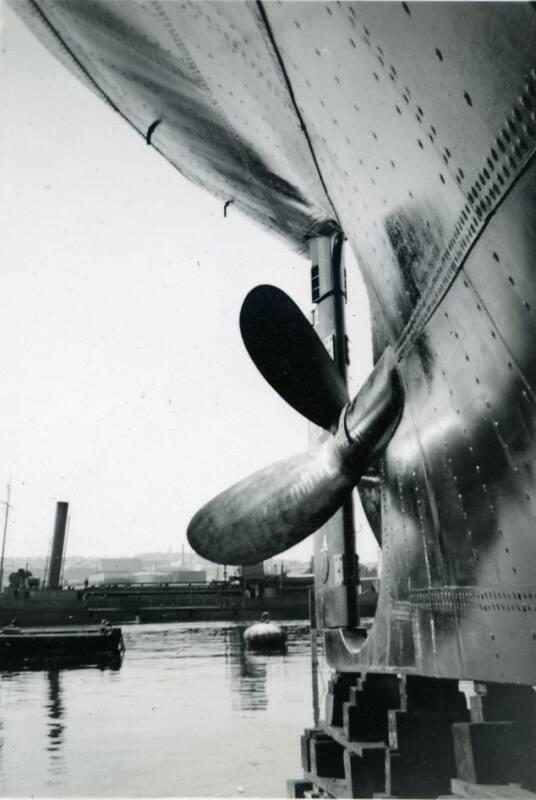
(472, 220)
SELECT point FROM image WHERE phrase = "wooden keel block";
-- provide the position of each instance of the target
(365, 774)
(299, 788)
(365, 722)
(486, 752)
(510, 791)
(365, 716)
(306, 737)
(326, 758)
(338, 693)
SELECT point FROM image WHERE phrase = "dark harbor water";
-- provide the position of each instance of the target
(188, 713)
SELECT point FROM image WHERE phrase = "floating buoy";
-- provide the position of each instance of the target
(265, 635)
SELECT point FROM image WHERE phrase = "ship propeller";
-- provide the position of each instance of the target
(277, 507)
(286, 350)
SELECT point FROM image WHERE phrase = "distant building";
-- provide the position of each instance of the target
(121, 565)
(171, 576)
(188, 575)
(150, 576)
(99, 578)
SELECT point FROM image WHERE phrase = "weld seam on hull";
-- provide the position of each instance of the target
(104, 95)
(461, 244)
(290, 90)
(98, 88)
(80, 65)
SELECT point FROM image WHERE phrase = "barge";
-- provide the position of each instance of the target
(88, 645)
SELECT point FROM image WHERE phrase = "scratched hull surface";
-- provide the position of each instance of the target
(411, 127)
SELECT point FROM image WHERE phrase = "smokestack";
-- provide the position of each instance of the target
(58, 542)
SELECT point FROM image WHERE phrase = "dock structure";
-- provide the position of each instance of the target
(388, 735)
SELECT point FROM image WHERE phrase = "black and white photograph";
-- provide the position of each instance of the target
(268, 399)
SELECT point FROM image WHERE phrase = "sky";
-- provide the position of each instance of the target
(126, 389)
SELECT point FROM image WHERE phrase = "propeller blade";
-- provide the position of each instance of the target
(286, 350)
(272, 509)
(280, 505)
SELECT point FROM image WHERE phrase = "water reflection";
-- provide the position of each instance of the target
(54, 708)
(2, 781)
(188, 692)
(249, 671)
(252, 693)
